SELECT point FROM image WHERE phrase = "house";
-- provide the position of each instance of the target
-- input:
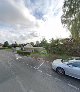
(30, 48)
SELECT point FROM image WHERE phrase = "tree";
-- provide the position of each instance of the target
(56, 46)
(43, 42)
(32, 43)
(6, 44)
(15, 45)
(71, 17)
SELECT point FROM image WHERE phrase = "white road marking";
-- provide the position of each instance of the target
(40, 65)
(17, 56)
(57, 79)
(48, 74)
(39, 71)
(73, 86)
(34, 67)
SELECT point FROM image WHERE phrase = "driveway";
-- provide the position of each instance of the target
(25, 74)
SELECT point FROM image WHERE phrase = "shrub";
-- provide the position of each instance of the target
(23, 52)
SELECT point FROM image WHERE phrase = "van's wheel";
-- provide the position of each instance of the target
(60, 71)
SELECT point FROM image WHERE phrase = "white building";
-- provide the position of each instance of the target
(30, 48)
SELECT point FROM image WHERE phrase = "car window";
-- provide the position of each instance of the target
(75, 64)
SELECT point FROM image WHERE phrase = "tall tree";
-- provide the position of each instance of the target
(43, 42)
(6, 44)
(71, 17)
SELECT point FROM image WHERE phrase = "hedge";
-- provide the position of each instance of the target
(23, 52)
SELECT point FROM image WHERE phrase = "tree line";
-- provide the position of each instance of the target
(67, 46)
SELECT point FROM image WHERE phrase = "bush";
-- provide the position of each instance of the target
(43, 52)
(23, 52)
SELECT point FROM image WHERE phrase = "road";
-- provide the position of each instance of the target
(25, 74)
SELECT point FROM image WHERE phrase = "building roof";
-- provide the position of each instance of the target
(28, 46)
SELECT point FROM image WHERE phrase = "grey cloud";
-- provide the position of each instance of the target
(19, 36)
(34, 34)
(20, 15)
(14, 12)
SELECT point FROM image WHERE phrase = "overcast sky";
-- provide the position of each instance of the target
(31, 20)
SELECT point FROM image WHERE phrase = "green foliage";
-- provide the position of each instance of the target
(23, 52)
(38, 55)
(63, 47)
(15, 45)
(6, 44)
(71, 17)
(9, 46)
(43, 52)
(43, 43)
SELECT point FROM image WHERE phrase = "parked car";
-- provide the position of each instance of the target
(70, 68)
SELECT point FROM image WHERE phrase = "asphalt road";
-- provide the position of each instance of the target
(25, 74)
